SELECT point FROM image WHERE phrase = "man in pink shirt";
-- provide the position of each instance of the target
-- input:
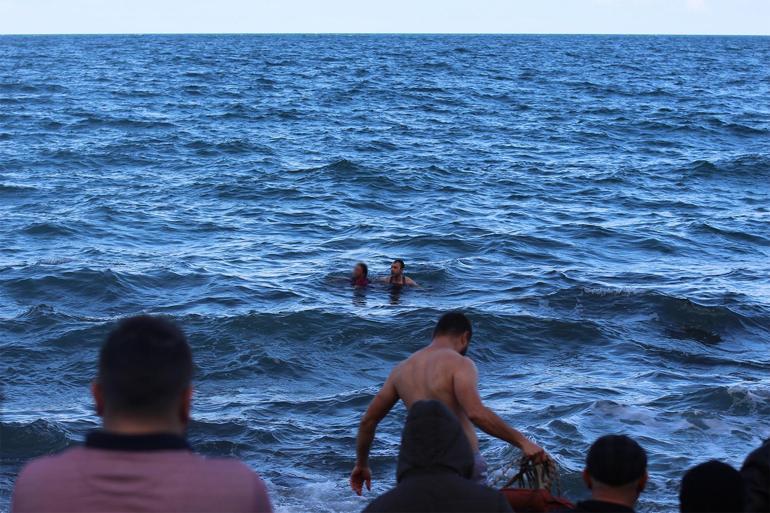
(140, 460)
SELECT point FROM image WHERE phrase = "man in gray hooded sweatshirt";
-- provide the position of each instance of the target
(435, 466)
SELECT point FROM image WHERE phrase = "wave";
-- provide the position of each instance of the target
(738, 400)
(22, 441)
(49, 229)
(737, 128)
(92, 120)
(749, 166)
(348, 173)
(338, 166)
(19, 87)
(101, 288)
(737, 235)
(681, 317)
(7, 188)
(236, 146)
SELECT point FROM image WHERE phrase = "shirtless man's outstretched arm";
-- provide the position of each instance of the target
(382, 403)
(466, 391)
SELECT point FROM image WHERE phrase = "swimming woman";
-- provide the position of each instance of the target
(360, 276)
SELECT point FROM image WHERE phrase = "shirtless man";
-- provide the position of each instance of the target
(441, 372)
(397, 276)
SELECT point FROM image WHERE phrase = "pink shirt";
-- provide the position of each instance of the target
(88, 479)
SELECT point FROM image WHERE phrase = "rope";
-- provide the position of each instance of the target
(533, 476)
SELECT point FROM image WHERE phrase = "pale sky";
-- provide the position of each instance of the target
(401, 16)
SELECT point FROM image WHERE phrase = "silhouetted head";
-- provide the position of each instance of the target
(712, 487)
(616, 469)
(455, 325)
(145, 372)
(360, 271)
(397, 267)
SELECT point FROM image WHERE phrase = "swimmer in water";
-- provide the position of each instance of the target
(360, 276)
(397, 277)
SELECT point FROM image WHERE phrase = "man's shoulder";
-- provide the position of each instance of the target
(443, 356)
(45, 474)
(230, 472)
(57, 463)
(52, 465)
(759, 456)
(224, 468)
(68, 477)
(462, 363)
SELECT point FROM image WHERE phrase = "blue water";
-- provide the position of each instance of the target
(599, 206)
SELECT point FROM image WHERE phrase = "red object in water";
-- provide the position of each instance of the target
(527, 500)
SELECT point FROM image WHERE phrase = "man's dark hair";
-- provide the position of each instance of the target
(712, 487)
(144, 366)
(452, 323)
(364, 268)
(616, 460)
(401, 263)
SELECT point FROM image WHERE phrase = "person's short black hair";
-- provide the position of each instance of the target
(401, 263)
(712, 487)
(616, 460)
(364, 268)
(452, 323)
(144, 366)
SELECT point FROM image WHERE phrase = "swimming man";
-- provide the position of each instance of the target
(442, 372)
(397, 277)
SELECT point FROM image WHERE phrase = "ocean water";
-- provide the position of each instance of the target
(598, 205)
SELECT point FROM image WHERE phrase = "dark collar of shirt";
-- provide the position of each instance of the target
(604, 507)
(152, 442)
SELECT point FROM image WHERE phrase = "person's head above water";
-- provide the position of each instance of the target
(397, 276)
(360, 271)
(397, 267)
(360, 275)
(455, 329)
(616, 470)
(144, 382)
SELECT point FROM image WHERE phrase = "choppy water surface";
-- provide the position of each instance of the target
(599, 205)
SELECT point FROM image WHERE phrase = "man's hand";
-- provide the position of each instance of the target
(534, 452)
(385, 399)
(358, 477)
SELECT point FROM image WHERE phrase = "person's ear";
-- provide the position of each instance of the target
(643, 482)
(186, 406)
(587, 480)
(98, 394)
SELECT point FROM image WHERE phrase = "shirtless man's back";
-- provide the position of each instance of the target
(441, 372)
(429, 374)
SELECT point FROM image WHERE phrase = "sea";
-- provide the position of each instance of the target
(598, 205)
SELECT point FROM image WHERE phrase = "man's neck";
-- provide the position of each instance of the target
(614, 497)
(443, 342)
(129, 426)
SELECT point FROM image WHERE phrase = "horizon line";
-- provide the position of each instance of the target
(642, 34)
